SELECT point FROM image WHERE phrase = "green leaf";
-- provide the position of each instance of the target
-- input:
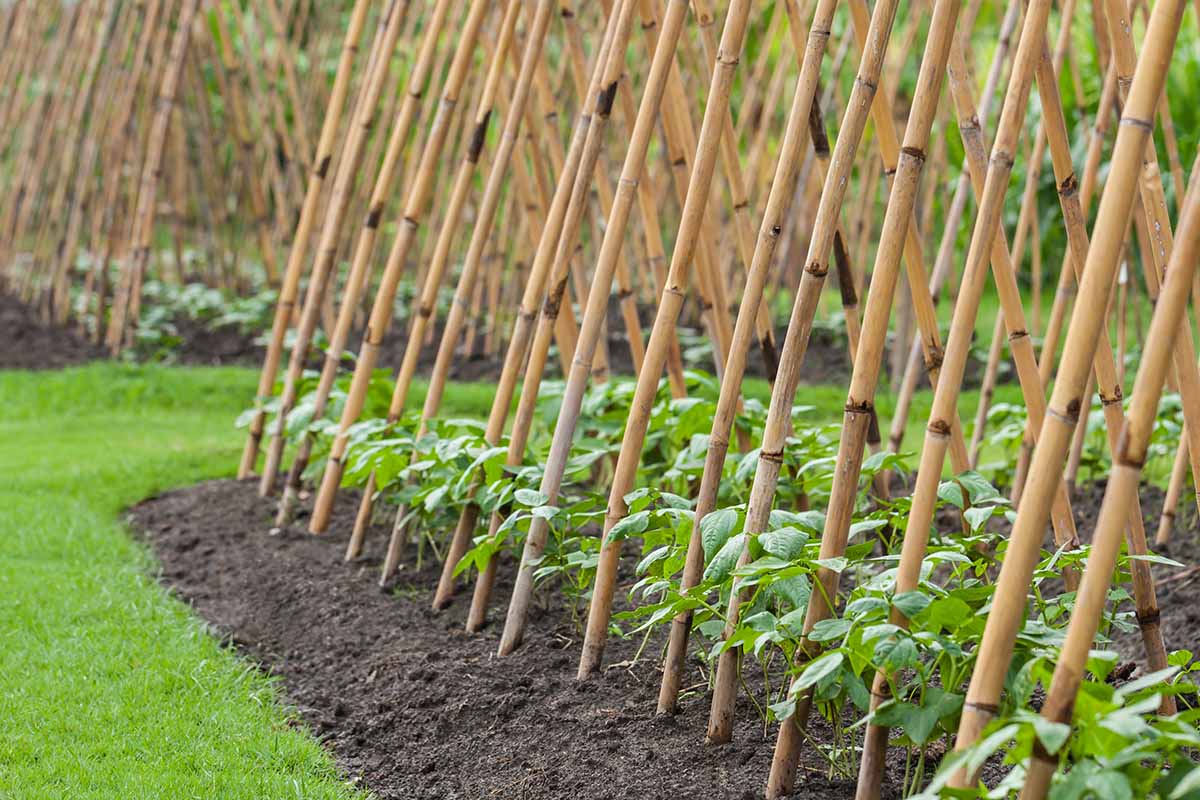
(725, 560)
(675, 501)
(715, 530)
(531, 498)
(783, 709)
(978, 516)
(629, 526)
(837, 565)
(793, 622)
(856, 690)
(828, 630)
(762, 622)
(658, 554)
(978, 487)
(1154, 558)
(1052, 735)
(952, 493)
(948, 612)
(875, 461)
(1186, 785)
(811, 521)
(795, 590)
(434, 498)
(1145, 682)
(546, 512)
(785, 543)
(1110, 784)
(896, 654)
(919, 725)
(865, 605)
(911, 603)
(866, 525)
(824, 666)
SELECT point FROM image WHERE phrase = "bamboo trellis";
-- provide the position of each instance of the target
(570, 150)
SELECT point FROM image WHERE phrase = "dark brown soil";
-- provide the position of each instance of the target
(204, 345)
(417, 708)
(25, 343)
(1178, 590)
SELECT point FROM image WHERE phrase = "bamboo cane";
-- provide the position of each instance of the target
(1174, 492)
(656, 258)
(480, 237)
(1067, 282)
(363, 121)
(84, 144)
(121, 133)
(381, 311)
(759, 171)
(739, 200)
(526, 342)
(945, 256)
(667, 318)
(754, 113)
(290, 287)
(945, 398)
(356, 282)
(872, 40)
(81, 144)
(291, 82)
(562, 218)
(143, 230)
(1158, 229)
(864, 379)
(631, 172)
(563, 327)
(139, 123)
(460, 540)
(127, 306)
(995, 650)
(30, 153)
(804, 110)
(267, 109)
(1165, 326)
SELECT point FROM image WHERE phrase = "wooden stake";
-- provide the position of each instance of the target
(143, 230)
(358, 278)
(381, 311)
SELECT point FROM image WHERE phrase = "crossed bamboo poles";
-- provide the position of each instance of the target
(352, 153)
(1121, 492)
(480, 236)
(1083, 337)
(1135, 174)
(416, 206)
(293, 272)
(357, 279)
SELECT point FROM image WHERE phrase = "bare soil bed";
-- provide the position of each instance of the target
(25, 343)
(415, 707)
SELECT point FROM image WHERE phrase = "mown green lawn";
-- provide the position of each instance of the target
(109, 687)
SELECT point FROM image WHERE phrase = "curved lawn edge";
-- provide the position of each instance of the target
(110, 686)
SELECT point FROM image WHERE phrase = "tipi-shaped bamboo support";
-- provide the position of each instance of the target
(1112, 223)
